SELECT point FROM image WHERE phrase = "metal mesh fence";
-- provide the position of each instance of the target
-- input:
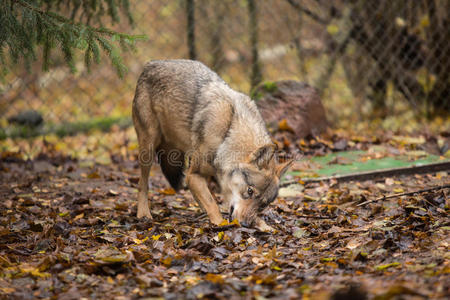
(361, 53)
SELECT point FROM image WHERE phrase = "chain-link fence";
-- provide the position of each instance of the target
(360, 53)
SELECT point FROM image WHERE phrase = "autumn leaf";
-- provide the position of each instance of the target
(138, 241)
(386, 266)
(93, 175)
(167, 191)
(167, 261)
(82, 234)
(284, 126)
(215, 278)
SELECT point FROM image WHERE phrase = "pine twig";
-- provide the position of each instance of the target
(446, 186)
(62, 19)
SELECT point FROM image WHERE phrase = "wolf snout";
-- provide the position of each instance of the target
(244, 222)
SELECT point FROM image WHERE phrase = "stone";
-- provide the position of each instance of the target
(293, 106)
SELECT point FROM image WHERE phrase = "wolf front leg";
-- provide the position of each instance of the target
(199, 188)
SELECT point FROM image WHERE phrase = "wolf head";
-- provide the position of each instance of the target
(251, 186)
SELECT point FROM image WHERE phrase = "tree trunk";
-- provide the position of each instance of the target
(190, 14)
(216, 36)
(256, 75)
(438, 41)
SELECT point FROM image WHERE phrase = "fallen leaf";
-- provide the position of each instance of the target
(284, 126)
(384, 267)
(167, 191)
(215, 278)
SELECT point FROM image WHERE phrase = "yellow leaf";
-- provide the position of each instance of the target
(168, 191)
(399, 190)
(327, 259)
(235, 222)
(214, 278)
(224, 223)
(36, 273)
(220, 235)
(276, 268)
(332, 29)
(156, 237)
(384, 267)
(167, 261)
(425, 21)
(284, 126)
(179, 239)
(138, 241)
(93, 175)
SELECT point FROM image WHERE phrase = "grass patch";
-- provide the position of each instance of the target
(270, 86)
(64, 129)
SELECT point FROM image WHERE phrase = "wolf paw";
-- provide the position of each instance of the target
(216, 220)
(144, 213)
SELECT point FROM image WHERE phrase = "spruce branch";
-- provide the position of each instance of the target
(28, 25)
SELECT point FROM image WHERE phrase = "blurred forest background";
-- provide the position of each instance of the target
(383, 60)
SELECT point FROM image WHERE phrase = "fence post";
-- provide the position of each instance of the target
(190, 14)
(256, 75)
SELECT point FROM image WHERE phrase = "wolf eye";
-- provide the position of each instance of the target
(250, 191)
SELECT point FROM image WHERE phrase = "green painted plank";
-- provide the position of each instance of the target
(353, 163)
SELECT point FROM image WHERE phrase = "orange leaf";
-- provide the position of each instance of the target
(214, 278)
(93, 175)
(167, 261)
(284, 126)
(168, 191)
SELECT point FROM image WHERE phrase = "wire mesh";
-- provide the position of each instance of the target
(372, 53)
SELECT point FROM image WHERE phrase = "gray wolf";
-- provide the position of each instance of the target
(185, 114)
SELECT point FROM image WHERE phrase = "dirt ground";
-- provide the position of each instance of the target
(68, 230)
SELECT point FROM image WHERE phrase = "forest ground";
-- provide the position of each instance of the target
(68, 229)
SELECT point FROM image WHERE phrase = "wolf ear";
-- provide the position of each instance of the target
(283, 167)
(262, 156)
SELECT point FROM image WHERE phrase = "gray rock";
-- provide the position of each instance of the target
(295, 101)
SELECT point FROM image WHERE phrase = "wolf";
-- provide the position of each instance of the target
(199, 128)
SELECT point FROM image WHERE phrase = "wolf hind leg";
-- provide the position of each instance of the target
(148, 139)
